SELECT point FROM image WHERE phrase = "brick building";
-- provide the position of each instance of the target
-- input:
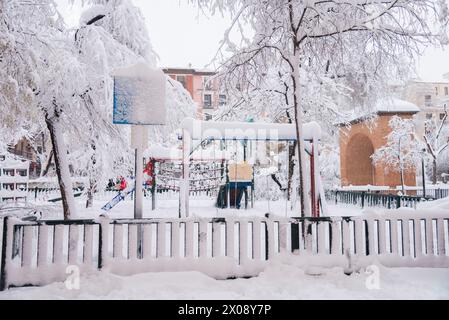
(359, 141)
(202, 86)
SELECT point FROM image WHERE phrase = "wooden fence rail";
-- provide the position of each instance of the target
(39, 253)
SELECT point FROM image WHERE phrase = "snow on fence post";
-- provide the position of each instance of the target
(360, 230)
(88, 244)
(58, 240)
(307, 235)
(429, 236)
(243, 242)
(381, 227)
(147, 241)
(27, 245)
(406, 237)
(335, 236)
(256, 239)
(189, 239)
(440, 239)
(417, 237)
(161, 240)
(203, 239)
(175, 248)
(133, 240)
(73, 243)
(118, 241)
(42, 251)
(216, 239)
(346, 236)
(283, 235)
(321, 231)
(394, 236)
(230, 234)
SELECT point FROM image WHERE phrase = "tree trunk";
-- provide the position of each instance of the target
(291, 169)
(304, 196)
(47, 166)
(90, 195)
(434, 171)
(62, 166)
(92, 177)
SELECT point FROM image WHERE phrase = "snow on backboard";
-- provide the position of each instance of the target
(139, 96)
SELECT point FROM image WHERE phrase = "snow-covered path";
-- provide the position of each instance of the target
(278, 282)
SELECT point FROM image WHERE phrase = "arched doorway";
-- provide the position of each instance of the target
(359, 164)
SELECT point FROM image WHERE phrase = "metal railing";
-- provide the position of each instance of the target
(368, 200)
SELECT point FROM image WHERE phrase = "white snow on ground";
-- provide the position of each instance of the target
(442, 204)
(278, 282)
(167, 207)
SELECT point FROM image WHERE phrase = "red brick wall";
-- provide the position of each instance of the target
(357, 144)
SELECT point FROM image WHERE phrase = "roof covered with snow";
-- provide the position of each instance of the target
(13, 162)
(214, 130)
(175, 154)
(383, 106)
(394, 105)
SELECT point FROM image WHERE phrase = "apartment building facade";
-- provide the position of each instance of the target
(203, 87)
(431, 97)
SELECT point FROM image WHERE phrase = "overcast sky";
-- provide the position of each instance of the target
(181, 35)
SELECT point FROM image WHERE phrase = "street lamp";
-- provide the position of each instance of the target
(423, 168)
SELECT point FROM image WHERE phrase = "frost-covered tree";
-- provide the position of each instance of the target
(112, 34)
(319, 42)
(436, 138)
(41, 86)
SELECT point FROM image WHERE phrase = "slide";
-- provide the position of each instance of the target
(117, 199)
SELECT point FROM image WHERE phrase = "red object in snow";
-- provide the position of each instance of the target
(149, 171)
(123, 184)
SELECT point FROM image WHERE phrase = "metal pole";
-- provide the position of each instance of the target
(423, 176)
(184, 183)
(153, 186)
(138, 199)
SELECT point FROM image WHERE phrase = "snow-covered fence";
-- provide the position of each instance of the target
(365, 199)
(439, 193)
(39, 253)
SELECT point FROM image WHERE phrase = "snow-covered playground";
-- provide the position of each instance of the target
(299, 155)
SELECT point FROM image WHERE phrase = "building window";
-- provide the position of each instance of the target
(8, 172)
(207, 84)
(429, 116)
(446, 91)
(207, 117)
(21, 172)
(428, 101)
(222, 100)
(437, 90)
(442, 115)
(207, 103)
(182, 80)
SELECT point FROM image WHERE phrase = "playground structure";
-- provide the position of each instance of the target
(208, 131)
(222, 163)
